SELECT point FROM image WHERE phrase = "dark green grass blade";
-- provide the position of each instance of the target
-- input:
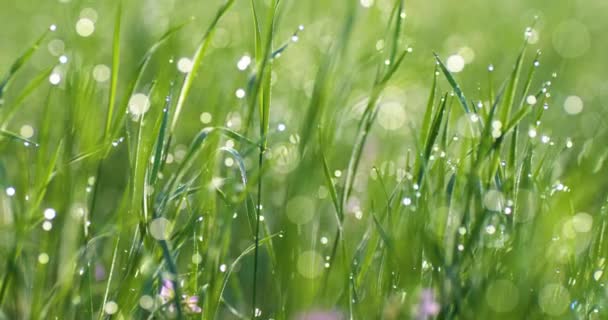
(434, 131)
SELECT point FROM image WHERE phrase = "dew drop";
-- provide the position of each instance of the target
(49, 213)
(101, 73)
(184, 65)
(573, 105)
(55, 78)
(455, 63)
(244, 63)
(47, 226)
(139, 104)
(10, 191)
(146, 302)
(85, 27)
(159, 228)
(110, 307)
(26, 131)
(366, 3)
(43, 258)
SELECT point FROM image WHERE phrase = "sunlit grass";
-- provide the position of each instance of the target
(221, 183)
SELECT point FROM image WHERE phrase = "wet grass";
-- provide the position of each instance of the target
(293, 197)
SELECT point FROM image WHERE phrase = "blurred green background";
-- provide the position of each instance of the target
(570, 34)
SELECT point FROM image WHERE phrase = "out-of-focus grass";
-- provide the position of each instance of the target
(264, 159)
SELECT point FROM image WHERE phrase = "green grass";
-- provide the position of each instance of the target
(357, 174)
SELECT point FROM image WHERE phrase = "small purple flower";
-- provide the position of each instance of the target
(192, 304)
(166, 291)
(428, 306)
(167, 294)
(100, 272)
(320, 315)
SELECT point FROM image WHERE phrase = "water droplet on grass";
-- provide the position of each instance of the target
(85, 27)
(366, 3)
(50, 213)
(110, 307)
(160, 228)
(101, 73)
(184, 65)
(47, 226)
(455, 63)
(573, 105)
(10, 191)
(243, 63)
(55, 78)
(43, 258)
(146, 302)
(139, 104)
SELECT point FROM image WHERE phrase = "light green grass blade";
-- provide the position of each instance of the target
(196, 63)
(19, 63)
(17, 137)
(13, 106)
(141, 68)
(115, 69)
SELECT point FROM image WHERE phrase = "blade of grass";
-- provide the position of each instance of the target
(114, 73)
(20, 62)
(196, 63)
(448, 75)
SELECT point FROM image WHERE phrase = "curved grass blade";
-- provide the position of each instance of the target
(17, 137)
(448, 75)
(114, 74)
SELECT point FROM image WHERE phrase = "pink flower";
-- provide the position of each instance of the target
(320, 315)
(167, 294)
(166, 291)
(192, 304)
(428, 306)
(100, 272)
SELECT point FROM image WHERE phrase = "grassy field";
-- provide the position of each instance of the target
(306, 160)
